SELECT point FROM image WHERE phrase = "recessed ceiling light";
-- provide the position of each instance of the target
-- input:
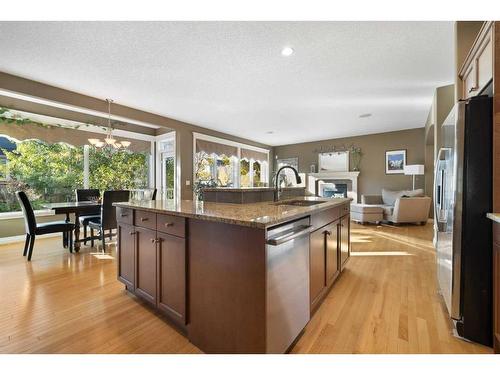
(270, 132)
(365, 115)
(287, 51)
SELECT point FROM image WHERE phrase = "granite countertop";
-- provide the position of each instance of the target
(494, 216)
(247, 189)
(257, 215)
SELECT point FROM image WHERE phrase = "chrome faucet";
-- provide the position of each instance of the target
(277, 191)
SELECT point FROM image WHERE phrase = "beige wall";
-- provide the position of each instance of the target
(372, 177)
(442, 104)
(15, 226)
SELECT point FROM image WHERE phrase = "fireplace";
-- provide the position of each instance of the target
(342, 184)
(332, 190)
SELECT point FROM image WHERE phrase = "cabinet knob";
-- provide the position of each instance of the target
(144, 219)
(169, 224)
(153, 240)
(131, 233)
(123, 215)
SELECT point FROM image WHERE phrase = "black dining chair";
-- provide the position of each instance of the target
(107, 219)
(33, 229)
(85, 195)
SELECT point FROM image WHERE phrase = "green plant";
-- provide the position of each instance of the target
(51, 172)
(356, 155)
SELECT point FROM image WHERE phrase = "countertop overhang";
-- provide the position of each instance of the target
(257, 215)
(493, 216)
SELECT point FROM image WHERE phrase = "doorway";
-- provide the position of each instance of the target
(166, 167)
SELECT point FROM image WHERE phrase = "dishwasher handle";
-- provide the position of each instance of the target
(299, 232)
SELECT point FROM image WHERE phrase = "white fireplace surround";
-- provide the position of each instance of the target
(352, 176)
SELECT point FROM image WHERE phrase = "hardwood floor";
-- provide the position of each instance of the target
(385, 302)
(386, 299)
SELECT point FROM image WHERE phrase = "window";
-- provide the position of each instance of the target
(223, 163)
(245, 180)
(52, 165)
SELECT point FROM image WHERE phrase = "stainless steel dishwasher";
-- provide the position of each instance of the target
(287, 298)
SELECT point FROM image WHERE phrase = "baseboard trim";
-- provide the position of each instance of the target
(22, 238)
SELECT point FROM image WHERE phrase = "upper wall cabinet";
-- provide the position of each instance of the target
(477, 69)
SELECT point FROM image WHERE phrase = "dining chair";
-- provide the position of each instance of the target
(33, 229)
(85, 195)
(107, 219)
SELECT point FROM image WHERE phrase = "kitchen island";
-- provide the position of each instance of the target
(235, 278)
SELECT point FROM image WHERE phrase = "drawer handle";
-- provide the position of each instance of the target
(169, 224)
(144, 219)
(132, 233)
(123, 215)
(472, 89)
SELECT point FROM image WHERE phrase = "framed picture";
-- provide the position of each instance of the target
(292, 162)
(395, 161)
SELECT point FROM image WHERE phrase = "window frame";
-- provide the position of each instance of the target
(239, 146)
(96, 129)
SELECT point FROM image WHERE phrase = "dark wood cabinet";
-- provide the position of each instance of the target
(126, 255)
(345, 242)
(317, 270)
(145, 264)
(332, 252)
(496, 287)
(152, 260)
(329, 247)
(172, 276)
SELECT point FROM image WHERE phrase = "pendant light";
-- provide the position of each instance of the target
(109, 141)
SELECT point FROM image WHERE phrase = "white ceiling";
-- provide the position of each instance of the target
(231, 77)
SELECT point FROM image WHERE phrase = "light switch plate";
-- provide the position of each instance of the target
(188, 182)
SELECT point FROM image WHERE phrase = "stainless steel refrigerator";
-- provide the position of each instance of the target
(462, 233)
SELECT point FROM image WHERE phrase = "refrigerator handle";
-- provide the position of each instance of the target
(439, 180)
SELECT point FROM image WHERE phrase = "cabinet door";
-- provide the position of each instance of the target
(484, 62)
(470, 81)
(496, 288)
(332, 252)
(317, 279)
(126, 255)
(172, 276)
(345, 242)
(145, 281)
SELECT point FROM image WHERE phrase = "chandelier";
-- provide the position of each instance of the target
(109, 141)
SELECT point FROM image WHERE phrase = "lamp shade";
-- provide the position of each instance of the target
(415, 169)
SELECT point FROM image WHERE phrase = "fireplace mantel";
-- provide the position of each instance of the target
(326, 175)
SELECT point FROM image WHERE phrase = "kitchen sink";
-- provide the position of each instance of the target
(298, 202)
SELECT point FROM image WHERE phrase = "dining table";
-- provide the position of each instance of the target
(77, 209)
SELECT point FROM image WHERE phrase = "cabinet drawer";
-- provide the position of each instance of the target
(145, 219)
(174, 225)
(124, 215)
(324, 217)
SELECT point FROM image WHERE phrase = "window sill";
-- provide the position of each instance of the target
(19, 214)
